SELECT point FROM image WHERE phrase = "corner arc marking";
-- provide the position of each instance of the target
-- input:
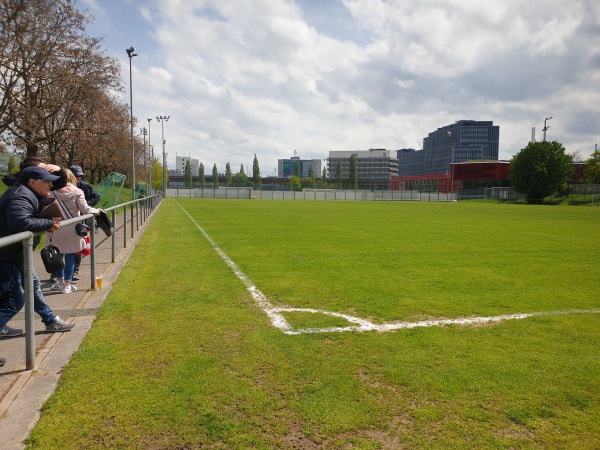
(277, 319)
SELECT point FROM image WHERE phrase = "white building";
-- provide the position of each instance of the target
(374, 167)
(180, 162)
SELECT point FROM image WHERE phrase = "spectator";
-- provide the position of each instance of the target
(91, 197)
(19, 209)
(11, 179)
(66, 239)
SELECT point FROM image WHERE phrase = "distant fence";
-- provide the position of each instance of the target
(585, 189)
(313, 194)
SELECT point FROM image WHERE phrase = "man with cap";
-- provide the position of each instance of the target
(19, 210)
(11, 179)
(91, 197)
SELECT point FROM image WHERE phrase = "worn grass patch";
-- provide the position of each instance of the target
(181, 357)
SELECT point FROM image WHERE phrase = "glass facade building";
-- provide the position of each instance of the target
(465, 140)
(287, 167)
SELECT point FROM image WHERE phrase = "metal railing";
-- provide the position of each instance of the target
(140, 210)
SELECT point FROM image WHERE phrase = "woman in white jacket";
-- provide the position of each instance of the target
(65, 238)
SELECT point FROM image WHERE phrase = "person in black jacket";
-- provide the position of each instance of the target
(19, 210)
(91, 197)
(32, 161)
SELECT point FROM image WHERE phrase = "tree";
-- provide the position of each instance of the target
(49, 69)
(201, 178)
(295, 183)
(297, 169)
(540, 169)
(228, 175)
(338, 175)
(215, 176)
(592, 168)
(187, 174)
(12, 165)
(256, 180)
(311, 174)
(240, 179)
(157, 175)
(352, 177)
(324, 175)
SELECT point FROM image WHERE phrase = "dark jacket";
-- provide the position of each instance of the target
(91, 196)
(19, 209)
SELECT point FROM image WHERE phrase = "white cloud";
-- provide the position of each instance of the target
(273, 76)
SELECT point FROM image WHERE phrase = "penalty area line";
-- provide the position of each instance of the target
(277, 319)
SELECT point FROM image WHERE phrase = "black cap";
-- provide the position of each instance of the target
(77, 171)
(36, 173)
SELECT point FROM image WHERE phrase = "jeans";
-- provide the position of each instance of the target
(67, 272)
(39, 305)
(11, 292)
(12, 299)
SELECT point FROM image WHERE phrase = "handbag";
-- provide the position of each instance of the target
(51, 208)
(82, 229)
(51, 258)
(87, 251)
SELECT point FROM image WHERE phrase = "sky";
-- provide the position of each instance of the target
(278, 78)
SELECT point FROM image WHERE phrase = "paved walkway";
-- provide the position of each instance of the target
(22, 393)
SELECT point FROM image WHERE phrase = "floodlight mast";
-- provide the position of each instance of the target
(162, 120)
(151, 158)
(546, 127)
(130, 52)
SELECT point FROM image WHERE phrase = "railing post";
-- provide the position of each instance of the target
(132, 230)
(113, 236)
(28, 287)
(125, 225)
(92, 224)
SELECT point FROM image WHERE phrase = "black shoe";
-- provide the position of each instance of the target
(75, 276)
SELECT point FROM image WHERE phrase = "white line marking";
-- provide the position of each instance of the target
(274, 313)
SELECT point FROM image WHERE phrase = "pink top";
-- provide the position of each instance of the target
(65, 237)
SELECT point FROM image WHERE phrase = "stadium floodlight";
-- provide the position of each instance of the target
(130, 52)
(162, 120)
(151, 159)
(546, 127)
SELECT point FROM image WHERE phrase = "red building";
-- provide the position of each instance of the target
(464, 175)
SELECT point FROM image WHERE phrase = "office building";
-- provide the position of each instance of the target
(180, 162)
(374, 168)
(429, 169)
(287, 167)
